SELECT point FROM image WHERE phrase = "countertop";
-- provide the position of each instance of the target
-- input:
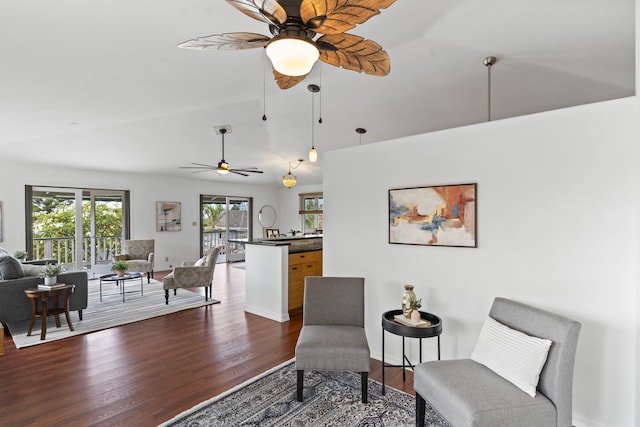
(295, 243)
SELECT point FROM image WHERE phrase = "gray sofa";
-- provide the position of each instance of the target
(15, 278)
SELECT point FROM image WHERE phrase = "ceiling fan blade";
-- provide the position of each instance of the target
(268, 11)
(236, 172)
(227, 41)
(286, 82)
(250, 170)
(197, 167)
(356, 54)
(202, 165)
(338, 16)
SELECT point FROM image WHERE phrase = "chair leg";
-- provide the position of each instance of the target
(364, 381)
(166, 296)
(300, 385)
(420, 409)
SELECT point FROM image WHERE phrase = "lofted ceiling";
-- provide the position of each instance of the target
(101, 84)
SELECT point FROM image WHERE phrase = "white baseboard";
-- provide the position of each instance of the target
(268, 314)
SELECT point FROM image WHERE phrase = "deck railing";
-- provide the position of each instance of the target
(63, 249)
(211, 239)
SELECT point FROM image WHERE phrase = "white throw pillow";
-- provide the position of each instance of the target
(515, 356)
(32, 270)
(202, 261)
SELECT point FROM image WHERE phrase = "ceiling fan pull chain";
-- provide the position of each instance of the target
(320, 119)
(264, 87)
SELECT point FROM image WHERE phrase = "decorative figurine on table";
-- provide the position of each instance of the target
(407, 298)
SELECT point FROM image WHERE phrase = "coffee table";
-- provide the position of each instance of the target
(43, 295)
(120, 280)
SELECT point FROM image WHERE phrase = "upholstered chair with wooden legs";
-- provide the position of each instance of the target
(139, 254)
(193, 274)
(332, 337)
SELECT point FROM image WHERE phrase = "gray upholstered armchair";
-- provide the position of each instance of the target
(470, 392)
(192, 275)
(332, 337)
(139, 255)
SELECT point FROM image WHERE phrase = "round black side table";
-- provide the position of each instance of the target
(396, 328)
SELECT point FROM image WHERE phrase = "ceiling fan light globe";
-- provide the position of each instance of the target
(292, 56)
(313, 155)
(223, 168)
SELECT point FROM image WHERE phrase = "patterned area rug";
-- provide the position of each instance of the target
(111, 311)
(330, 399)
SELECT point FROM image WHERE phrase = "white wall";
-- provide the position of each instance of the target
(145, 191)
(557, 228)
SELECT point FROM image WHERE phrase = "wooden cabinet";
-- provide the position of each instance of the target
(301, 265)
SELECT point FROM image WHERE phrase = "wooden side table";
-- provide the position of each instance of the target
(390, 325)
(43, 295)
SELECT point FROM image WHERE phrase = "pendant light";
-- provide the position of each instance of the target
(313, 153)
(489, 61)
(289, 180)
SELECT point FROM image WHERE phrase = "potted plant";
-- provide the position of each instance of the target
(120, 267)
(21, 255)
(50, 273)
(415, 305)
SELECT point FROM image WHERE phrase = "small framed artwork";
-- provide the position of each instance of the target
(442, 215)
(168, 216)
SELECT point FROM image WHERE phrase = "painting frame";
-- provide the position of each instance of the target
(168, 216)
(435, 215)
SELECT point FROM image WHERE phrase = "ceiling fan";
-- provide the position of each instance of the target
(223, 167)
(294, 24)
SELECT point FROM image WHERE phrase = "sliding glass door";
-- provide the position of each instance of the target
(224, 219)
(80, 228)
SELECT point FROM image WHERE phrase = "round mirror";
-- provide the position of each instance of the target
(267, 216)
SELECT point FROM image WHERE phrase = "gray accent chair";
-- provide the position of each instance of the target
(332, 337)
(467, 393)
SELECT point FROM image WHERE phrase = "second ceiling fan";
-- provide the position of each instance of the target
(223, 167)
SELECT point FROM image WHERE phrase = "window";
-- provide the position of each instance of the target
(311, 205)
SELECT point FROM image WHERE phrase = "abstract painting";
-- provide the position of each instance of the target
(168, 216)
(434, 216)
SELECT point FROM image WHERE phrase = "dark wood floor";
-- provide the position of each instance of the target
(147, 372)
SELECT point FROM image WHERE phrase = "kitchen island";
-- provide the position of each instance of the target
(275, 271)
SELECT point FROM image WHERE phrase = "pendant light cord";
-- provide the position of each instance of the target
(313, 115)
(489, 94)
(489, 61)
